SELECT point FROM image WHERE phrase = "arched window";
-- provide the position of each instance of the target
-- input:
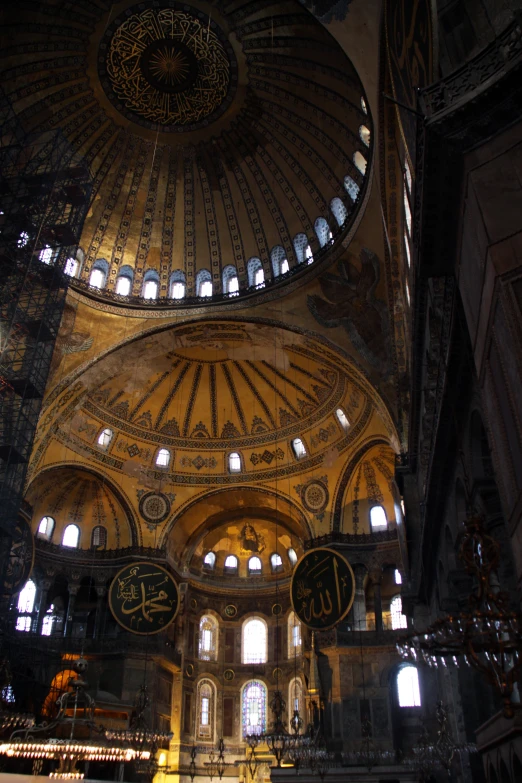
(276, 561)
(255, 272)
(46, 255)
(254, 565)
(254, 641)
(296, 705)
(408, 687)
(124, 281)
(279, 261)
(48, 621)
(105, 438)
(234, 462)
(150, 284)
(364, 106)
(99, 537)
(230, 280)
(253, 708)
(292, 556)
(205, 710)
(351, 187)
(303, 251)
(360, 162)
(397, 576)
(342, 418)
(294, 635)
(177, 285)
(378, 519)
(298, 448)
(364, 133)
(203, 283)
(163, 458)
(339, 211)
(99, 273)
(407, 289)
(208, 638)
(323, 231)
(72, 266)
(231, 564)
(71, 536)
(45, 528)
(25, 606)
(209, 560)
(398, 619)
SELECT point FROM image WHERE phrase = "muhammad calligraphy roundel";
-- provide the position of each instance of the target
(144, 598)
(322, 589)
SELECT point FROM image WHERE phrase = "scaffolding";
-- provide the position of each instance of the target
(44, 196)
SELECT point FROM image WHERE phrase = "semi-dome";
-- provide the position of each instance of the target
(227, 150)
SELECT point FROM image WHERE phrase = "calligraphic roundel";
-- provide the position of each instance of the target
(144, 598)
(322, 589)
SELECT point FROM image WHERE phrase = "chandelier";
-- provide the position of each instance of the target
(488, 635)
(72, 737)
(427, 754)
(368, 755)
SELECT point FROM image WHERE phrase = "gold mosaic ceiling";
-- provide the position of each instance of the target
(180, 183)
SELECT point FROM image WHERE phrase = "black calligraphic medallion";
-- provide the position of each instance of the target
(322, 588)
(21, 558)
(144, 598)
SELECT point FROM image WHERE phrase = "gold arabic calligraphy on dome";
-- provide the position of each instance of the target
(168, 66)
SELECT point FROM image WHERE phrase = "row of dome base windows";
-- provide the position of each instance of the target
(234, 460)
(255, 272)
(71, 539)
(71, 534)
(255, 566)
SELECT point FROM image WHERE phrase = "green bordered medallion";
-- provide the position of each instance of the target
(144, 598)
(322, 588)
(230, 610)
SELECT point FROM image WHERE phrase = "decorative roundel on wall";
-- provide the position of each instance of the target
(154, 507)
(144, 598)
(229, 674)
(230, 610)
(315, 497)
(322, 588)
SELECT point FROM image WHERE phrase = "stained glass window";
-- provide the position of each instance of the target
(208, 638)
(254, 708)
(205, 709)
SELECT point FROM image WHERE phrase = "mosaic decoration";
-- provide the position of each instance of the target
(250, 541)
(350, 301)
(21, 558)
(171, 67)
(144, 598)
(198, 462)
(322, 588)
(267, 456)
(315, 497)
(154, 507)
(323, 435)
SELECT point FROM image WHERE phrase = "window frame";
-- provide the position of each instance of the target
(169, 455)
(47, 536)
(262, 727)
(277, 567)
(343, 412)
(207, 565)
(255, 571)
(231, 470)
(70, 546)
(103, 543)
(375, 527)
(205, 732)
(264, 654)
(294, 451)
(213, 629)
(408, 666)
(105, 446)
(228, 569)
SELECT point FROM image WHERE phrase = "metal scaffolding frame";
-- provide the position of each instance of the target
(45, 192)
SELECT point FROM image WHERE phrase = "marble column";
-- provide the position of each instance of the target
(359, 600)
(377, 602)
(73, 592)
(100, 601)
(42, 606)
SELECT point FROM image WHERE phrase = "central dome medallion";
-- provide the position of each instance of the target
(169, 68)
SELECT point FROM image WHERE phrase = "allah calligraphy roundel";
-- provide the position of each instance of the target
(144, 598)
(322, 589)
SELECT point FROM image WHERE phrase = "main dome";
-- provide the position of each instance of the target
(227, 145)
